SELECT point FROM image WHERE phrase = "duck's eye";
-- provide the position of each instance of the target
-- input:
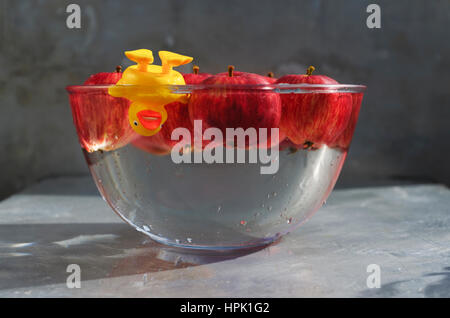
(135, 123)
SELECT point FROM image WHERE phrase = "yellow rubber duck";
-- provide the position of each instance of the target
(145, 85)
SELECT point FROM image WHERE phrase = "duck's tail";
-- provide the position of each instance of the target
(170, 60)
(142, 57)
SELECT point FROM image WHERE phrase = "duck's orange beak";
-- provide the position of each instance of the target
(149, 119)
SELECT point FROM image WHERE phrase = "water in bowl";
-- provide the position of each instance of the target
(215, 206)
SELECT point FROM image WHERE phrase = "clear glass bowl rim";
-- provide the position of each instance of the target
(276, 88)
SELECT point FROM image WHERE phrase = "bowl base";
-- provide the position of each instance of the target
(250, 246)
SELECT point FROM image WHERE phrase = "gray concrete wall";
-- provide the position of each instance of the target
(403, 131)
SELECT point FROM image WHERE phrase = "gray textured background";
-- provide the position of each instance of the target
(403, 131)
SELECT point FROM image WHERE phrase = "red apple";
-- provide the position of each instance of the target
(224, 107)
(344, 139)
(155, 144)
(105, 78)
(313, 119)
(195, 77)
(101, 120)
(271, 142)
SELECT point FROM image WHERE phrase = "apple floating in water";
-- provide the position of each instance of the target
(344, 139)
(177, 116)
(105, 78)
(224, 107)
(100, 119)
(195, 77)
(178, 111)
(314, 119)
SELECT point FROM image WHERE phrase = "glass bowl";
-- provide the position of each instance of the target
(219, 205)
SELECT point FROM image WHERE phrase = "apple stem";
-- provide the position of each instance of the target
(308, 144)
(195, 69)
(230, 70)
(310, 70)
(118, 69)
(270, 74)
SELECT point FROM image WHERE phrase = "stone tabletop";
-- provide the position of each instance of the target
(403, 231)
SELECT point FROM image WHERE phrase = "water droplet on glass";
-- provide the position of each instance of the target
(189, 240)
(270, 208)
(268, 195)
(219, 208)
(145, 278)
(177, 241)
(243, 222)
(262, 205)
(274, 194)
(289, 221)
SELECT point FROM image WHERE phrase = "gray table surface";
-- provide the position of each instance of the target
(404, 230)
